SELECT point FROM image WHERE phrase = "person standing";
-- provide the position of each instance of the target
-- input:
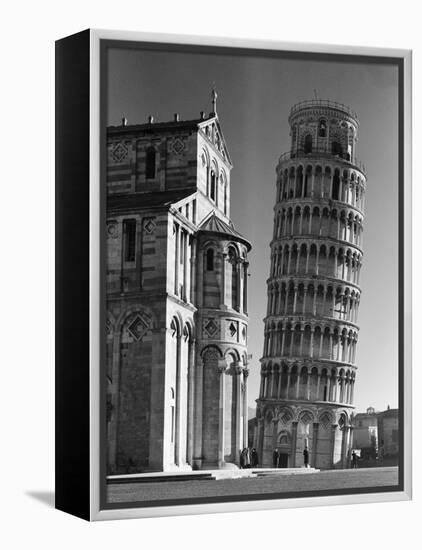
(275, 458)
(242, 459)
(306, 457)
(254, 458)
(354, 460)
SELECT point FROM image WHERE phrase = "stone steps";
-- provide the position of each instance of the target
(206, 475)
(153, 478)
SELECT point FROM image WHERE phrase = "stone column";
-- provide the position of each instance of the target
(352, 391)
(245, 287)
(197, 418)
(294, 443)
(286, 300)
(245, 407)
(344, 446)
(239, 428)
(191, 401)
(261, 386)
(177, 260)
(275, 429)
(288, 382)
(332, 440)
(297, 384)
(311, 354)
(260, 450)
(318, 386)
(328, 386)
(308, 380)
(272, 381)
(289, 261)
(199, 283)
(185, 267)
(314, 451)
(302, 332)
(178, 420)
(193, 299)
(335, 388)
(239, 286)
(280, 372)
(283, 334)
(291, 341)
(221, 369)
(223, 280)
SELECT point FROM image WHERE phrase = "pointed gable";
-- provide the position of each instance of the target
(213, 133)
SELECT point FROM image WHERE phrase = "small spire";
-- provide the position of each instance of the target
(214, 99)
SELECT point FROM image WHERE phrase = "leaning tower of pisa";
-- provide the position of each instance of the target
(308, 366)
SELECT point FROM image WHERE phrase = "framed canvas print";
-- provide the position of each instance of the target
(233, 275)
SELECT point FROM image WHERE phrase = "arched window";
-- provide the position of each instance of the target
(336, 186)
(322, 128)
(213, 185)
(223, 187)
(336, 148)
(150, 164)
(308, 144)
(210, 259)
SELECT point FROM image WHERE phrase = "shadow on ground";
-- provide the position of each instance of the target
(45, 497)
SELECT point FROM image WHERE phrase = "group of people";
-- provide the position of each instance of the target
(248, 458)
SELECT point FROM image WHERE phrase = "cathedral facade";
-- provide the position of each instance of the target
(176, 293)
(308, 366)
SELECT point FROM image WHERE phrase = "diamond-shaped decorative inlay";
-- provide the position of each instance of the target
(306, 418)
(138, 328)
(120, 152)
(211, 327)
(109, 327)
(178, 146)
(325, 420)
(149, 227)
(285, 417)
(232, 329)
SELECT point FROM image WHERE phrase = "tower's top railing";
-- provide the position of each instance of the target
(312, 103)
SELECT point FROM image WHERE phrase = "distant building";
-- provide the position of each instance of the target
(365, 434)
(388, 435)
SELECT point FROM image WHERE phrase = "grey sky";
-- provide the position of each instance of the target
(254, 99)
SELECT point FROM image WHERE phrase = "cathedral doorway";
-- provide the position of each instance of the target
(283, 460)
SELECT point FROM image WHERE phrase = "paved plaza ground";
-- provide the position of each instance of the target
(285, 483)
